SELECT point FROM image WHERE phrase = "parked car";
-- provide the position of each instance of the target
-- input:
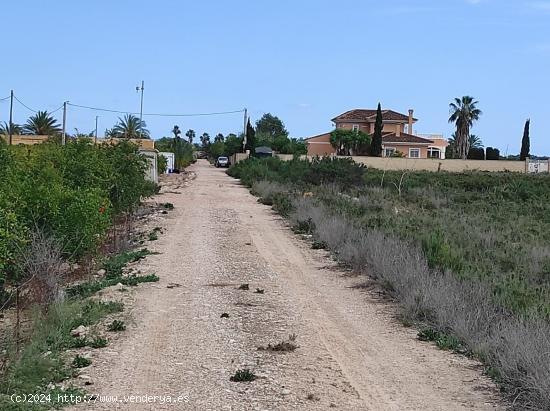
(222, 162)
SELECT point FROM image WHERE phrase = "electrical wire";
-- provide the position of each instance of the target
(56, 110)
(24, 105)
(5, 98)
(158, 114)
(100, 109)
(219, 113)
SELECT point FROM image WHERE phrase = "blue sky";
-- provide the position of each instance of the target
(304, 61)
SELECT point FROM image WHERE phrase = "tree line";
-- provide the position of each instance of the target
(269, 131)
(45, 124)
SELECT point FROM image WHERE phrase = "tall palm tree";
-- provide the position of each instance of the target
(43, 124)
(205, 140)
(464, 112)
(190, 134)
(16, 129)
(176, 131)
(130, 126)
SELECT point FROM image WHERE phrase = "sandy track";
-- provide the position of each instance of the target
(352, 354)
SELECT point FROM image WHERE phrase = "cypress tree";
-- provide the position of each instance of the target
(376, 142)
(250, 138)
(525, 143)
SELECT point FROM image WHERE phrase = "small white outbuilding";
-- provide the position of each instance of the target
(170, 159)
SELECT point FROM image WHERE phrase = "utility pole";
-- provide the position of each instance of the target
(244, 130)
(141, 108)
(63, 135)
(95, 141)
(11, 118)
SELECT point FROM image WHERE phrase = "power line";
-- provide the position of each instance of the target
(35, 111)
(217, 113)
(5, 98)
(195, 114)
(56, 110)
(102, 109)
(24, 105)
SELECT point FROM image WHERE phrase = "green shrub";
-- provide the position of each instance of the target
(98, 342)
(113, 266)
(81, 362)
(69, 192)
(342, 171)
(243, 376)
(116, 326)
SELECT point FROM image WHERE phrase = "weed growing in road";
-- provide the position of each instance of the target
(98, 342)
(259, 291)
(312, 397)
(154, 235)
(87, 289)
(113, 266)
(134, 280)
(243, 376)
(283, 346)
(224, 315)
(244, 287)
(168, 206)
(442, 340)
(318, 245)
(79, 342)
(116, 326)
(81, 362)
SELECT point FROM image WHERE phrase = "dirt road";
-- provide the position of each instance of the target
(352, 354)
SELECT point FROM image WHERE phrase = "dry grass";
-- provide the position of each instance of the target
(41, 264)
(515, 349)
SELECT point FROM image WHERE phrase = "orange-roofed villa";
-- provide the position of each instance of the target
(397, 135)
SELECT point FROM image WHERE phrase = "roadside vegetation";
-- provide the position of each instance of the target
(61, 207)
(466, 256)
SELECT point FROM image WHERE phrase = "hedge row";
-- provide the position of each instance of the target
(70, 192)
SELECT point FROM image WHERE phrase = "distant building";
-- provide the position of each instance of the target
(397, 135)
(263, 151)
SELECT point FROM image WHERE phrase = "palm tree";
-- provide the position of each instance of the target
(42, 124)
(205, 140)
(109, 133)
(16, 129)
(464, 112)
(130, 126)
(176, 131)
(474, 141)
(190, 134)
(219, 138)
